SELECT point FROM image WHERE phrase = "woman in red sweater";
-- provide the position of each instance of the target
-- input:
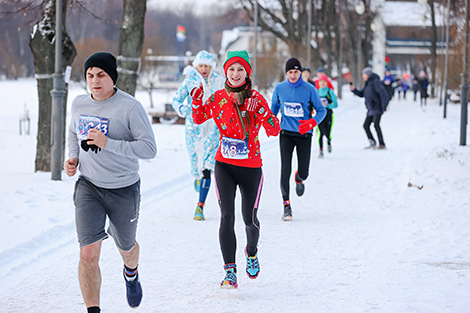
(239, 112)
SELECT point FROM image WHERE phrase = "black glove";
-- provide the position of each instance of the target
(95, 148)
(86, 146)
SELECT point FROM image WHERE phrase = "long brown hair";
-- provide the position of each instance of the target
(238, 95)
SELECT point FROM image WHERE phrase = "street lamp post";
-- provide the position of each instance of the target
(58, 95)
(255, 63)
(360, 9)
(464, 87)
(340, 53)
(309, 32)
(359, 54)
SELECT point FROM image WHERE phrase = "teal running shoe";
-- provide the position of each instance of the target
(199, 214)
(230, 280)
(252, 266)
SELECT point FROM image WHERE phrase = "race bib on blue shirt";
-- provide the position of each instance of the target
(293, 109)
(87, 122)
(232, 148)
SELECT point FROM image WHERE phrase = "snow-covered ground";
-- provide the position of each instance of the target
(362, 240)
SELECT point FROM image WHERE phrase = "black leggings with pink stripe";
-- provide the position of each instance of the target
(250, 181)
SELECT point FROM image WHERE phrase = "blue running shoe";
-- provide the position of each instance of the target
(230, 280)
(252, 265)
(197, 185)
(134, 291)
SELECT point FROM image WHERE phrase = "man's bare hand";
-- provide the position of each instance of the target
(97, 138)
(70, 166)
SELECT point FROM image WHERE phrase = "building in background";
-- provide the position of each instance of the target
(270, 51)
(402, 37)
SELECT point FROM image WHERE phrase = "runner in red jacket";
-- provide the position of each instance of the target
(239, 112)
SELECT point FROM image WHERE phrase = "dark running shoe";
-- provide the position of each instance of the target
(133, 291)
(299, 186)
(287, 213)
(373, 145)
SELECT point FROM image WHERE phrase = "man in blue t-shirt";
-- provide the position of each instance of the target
(301, 109)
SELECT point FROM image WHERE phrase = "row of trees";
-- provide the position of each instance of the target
(335, 24)
(116, 26)
(120, 26)
(42, 44)
(94, 25)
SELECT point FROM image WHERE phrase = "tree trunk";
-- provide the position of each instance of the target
(42, 44)
(131, 40)
(296, 50)
(329, 51)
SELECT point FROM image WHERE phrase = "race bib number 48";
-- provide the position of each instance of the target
(87, 122)
(232, 148)
(293, 109)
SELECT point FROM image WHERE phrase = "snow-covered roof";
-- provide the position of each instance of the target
(402, 13)
(229, 36)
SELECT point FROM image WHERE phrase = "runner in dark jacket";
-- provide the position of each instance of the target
(377, 100)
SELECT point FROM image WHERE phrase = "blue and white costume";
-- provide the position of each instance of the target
(202, 141)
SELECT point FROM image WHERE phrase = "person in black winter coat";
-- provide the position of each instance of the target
(377, 99)
(415, 88)
(423, 84)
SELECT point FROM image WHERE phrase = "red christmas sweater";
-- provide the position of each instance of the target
(235, 147)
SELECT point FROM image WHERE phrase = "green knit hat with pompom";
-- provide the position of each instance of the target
(238, 57)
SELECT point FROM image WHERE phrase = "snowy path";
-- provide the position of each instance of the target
(361, 239)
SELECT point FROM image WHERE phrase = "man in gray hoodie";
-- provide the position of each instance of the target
(109, 131)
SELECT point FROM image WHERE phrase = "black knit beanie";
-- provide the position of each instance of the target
(105, 61)
(293, 64)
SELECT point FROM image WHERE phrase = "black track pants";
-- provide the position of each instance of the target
(376, 120)
(325, 128)
(303, 148)
(250, 182)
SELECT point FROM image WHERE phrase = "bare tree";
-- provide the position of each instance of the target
(42, 44)
(432, 10)
(131, 40)
(15, 61)
(286, 19)
(457, 46)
